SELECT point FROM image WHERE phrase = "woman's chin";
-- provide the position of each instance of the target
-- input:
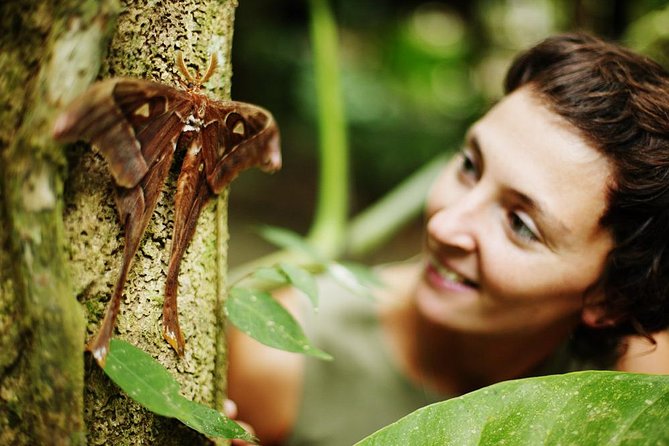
(440, 307)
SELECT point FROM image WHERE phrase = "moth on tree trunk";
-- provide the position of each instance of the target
(138, 125)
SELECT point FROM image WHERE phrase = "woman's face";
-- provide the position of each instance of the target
(513, 234)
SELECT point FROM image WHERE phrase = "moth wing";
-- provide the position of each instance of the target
(154, 116)
(237, 136)
(156, 113)
(127, 120)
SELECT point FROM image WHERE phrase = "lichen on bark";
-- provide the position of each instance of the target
(146, 39)
(67, 238)
(41, 378)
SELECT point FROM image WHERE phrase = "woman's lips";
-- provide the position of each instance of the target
(442, 277)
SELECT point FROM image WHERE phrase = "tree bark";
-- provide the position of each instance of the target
(62, 241)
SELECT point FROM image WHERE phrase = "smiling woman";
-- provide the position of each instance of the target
(545, 235)
(512, 218)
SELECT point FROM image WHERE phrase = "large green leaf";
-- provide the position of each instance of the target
(581, 408)
(151, 385)
(259, 315)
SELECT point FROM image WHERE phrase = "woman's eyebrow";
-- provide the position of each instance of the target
(535, 206)
(547, 219)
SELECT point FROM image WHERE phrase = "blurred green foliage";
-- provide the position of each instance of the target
(415, 74)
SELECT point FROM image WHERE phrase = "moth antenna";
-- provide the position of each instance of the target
(213, 64)
(183, 69)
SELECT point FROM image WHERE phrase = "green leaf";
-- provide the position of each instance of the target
(287, 239)
(271, 276)
(151, 385)
(259, 315)
(581, 408)
(302, 280)
(364, 274)
(349, 279)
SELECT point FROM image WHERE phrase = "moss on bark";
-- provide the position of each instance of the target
(144, 46)
(61, 238)
(41, 379)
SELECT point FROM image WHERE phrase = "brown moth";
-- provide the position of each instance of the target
(137, 125)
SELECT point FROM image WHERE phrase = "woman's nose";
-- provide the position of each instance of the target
(456, 224)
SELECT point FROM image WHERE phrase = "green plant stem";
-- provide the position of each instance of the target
(328, 229)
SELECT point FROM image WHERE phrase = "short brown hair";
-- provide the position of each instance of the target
(619, 101)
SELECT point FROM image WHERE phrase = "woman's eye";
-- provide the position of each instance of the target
(521, 229)
(468, 166)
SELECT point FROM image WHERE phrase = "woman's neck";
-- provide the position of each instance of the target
(457, 362)
(452, 362)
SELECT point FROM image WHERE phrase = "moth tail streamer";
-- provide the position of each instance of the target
(171, 329)
(99, 345)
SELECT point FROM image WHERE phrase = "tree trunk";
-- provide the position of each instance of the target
(61, 239)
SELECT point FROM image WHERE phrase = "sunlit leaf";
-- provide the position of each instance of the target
(259, 315)
(302, 280)
(287, 239)
(364, 274)
(151, 385)
(581, 408)
(348, 279)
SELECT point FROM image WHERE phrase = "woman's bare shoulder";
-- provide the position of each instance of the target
(265, 382)
(641, 356)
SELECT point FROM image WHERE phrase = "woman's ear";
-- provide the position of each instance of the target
(595, 314)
